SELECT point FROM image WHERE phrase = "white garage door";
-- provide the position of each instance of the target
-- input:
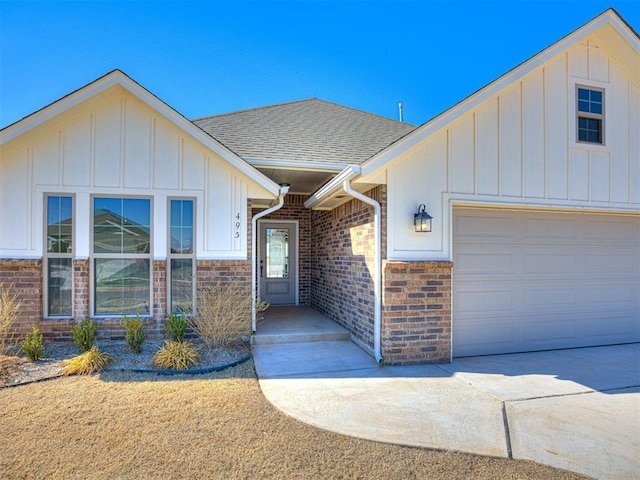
(526, 281)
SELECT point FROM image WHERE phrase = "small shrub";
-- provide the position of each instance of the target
(93, 360)
(133, 332)
(9, 309)
(177, 355)
(84, 334)
(176, 326)
(223, 312)
(32, 345)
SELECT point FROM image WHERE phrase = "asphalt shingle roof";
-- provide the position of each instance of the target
(310, 130)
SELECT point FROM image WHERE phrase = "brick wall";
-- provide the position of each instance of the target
(294, 209)
(416, 324)
(343, 262)
(24, 278)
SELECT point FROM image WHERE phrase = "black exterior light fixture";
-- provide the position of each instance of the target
(422, 220)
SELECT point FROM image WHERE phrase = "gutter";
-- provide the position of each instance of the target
(332, 186)
(377, 284)
(284, 189)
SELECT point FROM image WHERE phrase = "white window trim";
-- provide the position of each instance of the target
(601, 117)
(177, 256)
(46, 255)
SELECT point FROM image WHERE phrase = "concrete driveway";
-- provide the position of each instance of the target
(573, 409)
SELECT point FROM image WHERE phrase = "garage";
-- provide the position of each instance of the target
(527, 280)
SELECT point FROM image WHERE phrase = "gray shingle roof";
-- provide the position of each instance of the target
(310, 130)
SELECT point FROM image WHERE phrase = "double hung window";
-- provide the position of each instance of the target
(590, 113)
(181, 255)
(121, 255)
(58, 256)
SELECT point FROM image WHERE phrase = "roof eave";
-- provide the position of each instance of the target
(332, 187)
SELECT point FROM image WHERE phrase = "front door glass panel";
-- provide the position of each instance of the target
(277, 252)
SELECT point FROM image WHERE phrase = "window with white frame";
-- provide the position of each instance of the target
(590, 114)
(58, 256)
(121, 255)
(181, 257)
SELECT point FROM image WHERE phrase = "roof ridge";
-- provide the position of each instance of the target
(252, 109)
(371, 114)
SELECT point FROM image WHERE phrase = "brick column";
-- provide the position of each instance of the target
(80, 289)
(416, 313)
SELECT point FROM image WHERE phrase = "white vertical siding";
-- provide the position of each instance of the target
(117, 145)
(519, 147)
(487, 158)
(510, 155)
(138, 151)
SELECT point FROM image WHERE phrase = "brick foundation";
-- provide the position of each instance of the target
(416, 318)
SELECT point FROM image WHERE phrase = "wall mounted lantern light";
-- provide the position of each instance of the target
(422, 220)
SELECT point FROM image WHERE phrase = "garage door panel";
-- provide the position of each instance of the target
(550, 263)
(609, 262)
(543, 298)
(477, 301)
(607, 295)
(612, 327)
(549, 280)
(487, 262)
(612, 230)
(551, 228)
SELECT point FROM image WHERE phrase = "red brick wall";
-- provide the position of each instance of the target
(294, 209)
(416, 325)
(343, 263)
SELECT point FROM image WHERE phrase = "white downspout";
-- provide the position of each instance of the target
(377, 282)
(284, 189)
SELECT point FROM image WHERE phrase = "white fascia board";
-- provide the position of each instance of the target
(513, 75)
(325, 192)
(295, 165)
(117, 77)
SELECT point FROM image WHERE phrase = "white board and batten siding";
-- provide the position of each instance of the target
(117, 145)
(518, 147)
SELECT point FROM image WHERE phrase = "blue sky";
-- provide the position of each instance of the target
(205, 58)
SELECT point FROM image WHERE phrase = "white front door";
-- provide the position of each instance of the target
(278, 262)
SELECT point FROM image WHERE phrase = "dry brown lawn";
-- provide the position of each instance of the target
(120, 425)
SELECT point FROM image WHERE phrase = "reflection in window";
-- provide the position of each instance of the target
(122, 255)
(58, 254)
(122, 286)
(181, 258)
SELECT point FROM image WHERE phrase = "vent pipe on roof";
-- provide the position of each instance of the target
(400, 107)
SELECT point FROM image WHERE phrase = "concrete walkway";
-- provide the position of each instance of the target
(573, 409)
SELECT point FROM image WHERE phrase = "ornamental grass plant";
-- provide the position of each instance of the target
(177, 355)
(93, 360)
(223, 312)
(9, 309)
